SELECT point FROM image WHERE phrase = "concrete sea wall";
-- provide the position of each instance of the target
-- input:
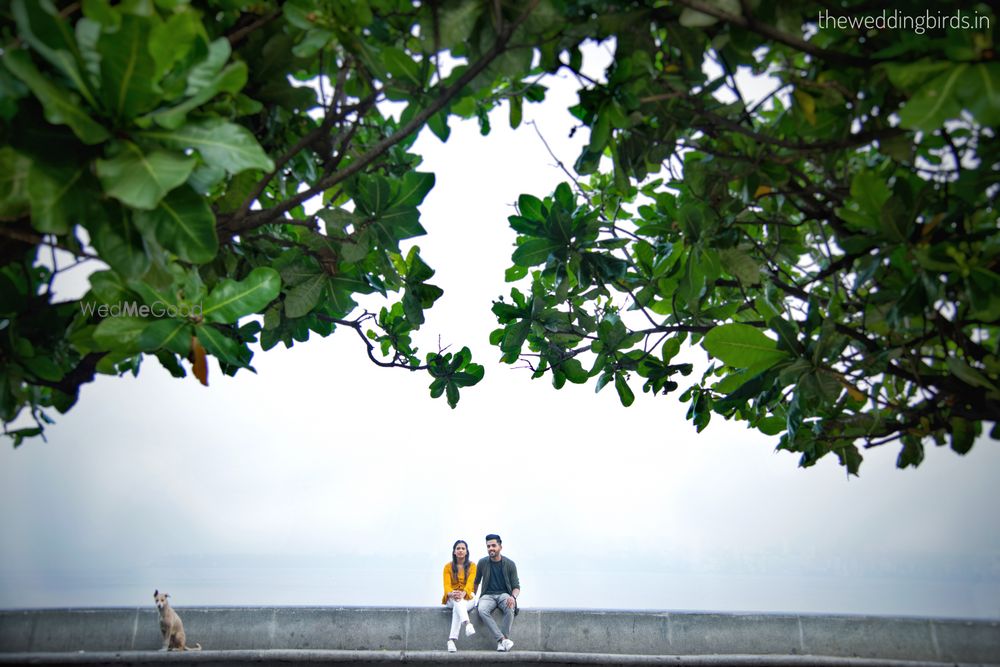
(278, 635)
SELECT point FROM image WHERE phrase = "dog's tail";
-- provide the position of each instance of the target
(196, 647)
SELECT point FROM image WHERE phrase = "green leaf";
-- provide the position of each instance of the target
(910, 76)
(61, 106)
(184, 224)
(301, 299)
(226, 349)
(742, 346)
(397, 224)
(963, 435)
(970, 375)
(534, 251)
(515, 273)
(934, 103)
(314, 40)
(401, 66)
(121, 334)
(515, 111)
(911, 454)
(869, 193)
(457, 23)
(531, 208)
(692, 18)
(21, 434)
(231, 300)
(356, 248)
(220, 143)
(740, 265)
(600, 132)
(140, 180)
(169, 362)
(850, 458)
(43, 367)
(108, 287)
(564, 196)
(574, 371)
(174, 39)
(452, 395)
(101, 12)
(14, 176)
(205, 81)
(513, 339)
(169, 334)
(413, 189)
(438, 123)
(625, 394)
(128, 82)
(57, 201)
(417, 270)
(374, 195)
(40, 25)
(979, 90)
(117, 240)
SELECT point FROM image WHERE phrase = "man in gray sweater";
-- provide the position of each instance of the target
(500, 588)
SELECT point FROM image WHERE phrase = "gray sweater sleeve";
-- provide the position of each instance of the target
(512, 576)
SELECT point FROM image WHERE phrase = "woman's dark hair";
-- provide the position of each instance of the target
(454, 559)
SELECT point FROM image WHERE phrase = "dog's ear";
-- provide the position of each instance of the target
(156, 592)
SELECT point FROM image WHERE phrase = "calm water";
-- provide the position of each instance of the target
(949, 597)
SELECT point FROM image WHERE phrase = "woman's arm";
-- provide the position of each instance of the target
(447, 582)
(470, 582)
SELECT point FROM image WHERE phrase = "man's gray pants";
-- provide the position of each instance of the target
(487, 603)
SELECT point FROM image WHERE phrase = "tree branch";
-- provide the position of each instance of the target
(257, 218)
(369, 346)
(238, 36)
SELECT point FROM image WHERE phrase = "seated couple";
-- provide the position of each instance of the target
(496, 578)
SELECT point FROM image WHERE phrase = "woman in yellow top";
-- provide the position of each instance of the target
(459, 591)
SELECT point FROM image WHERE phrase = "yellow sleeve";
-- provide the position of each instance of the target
(447, 583)
(470, 583)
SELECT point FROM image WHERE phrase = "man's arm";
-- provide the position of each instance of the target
(514, 582)
(479, 575)
(515, 585)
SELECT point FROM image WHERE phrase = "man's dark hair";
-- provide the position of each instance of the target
(494, 536)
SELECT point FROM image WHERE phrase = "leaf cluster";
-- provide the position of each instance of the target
(833, 248)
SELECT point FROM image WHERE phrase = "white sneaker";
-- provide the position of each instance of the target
(507, 644)
(500, 647)
(469, 630)
(451, 646)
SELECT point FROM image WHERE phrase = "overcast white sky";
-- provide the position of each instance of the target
(326, 480)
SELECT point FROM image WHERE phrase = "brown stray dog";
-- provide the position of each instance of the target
(170, 626)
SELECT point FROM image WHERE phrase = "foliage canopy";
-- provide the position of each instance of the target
(832, 247)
